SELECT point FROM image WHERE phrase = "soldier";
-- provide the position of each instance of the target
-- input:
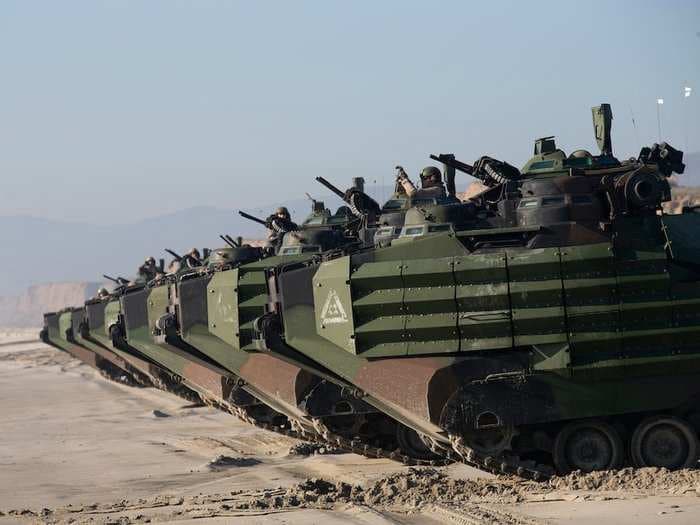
(102, 293)
(192, 259)
(431, 183)
(147, 271)
(279, 223)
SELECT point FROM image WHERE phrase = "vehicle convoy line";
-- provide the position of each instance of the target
(521, 331)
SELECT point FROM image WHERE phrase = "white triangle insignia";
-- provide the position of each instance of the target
(333, 311)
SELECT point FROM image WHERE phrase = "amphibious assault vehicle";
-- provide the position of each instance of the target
(560, 329)
(518, 331)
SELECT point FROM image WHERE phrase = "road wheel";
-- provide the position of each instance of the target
(588, 446)
(664, 441)
(491, 441)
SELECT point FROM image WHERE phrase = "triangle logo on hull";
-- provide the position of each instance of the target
(333, 311)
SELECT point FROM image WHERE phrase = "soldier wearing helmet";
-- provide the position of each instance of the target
(431, 183)
(283, 213)
(102, 293)
(192, 259)
(278, 224)
(147, 271)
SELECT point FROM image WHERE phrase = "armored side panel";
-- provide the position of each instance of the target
(216, 315)
(95, 320)
(65, 325)
(199, 374)
(681, 233)
(60, 335)
(78, 330)
(219, 337)
(90, 320)
(112, 318)
(193, 322)
(497, 300)
(587, 329)
(50, 331)
(102, 324)
(137, 331)
(236, 297)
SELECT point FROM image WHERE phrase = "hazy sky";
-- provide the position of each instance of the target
(114, 111)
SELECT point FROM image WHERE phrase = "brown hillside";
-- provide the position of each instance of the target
(26, 310)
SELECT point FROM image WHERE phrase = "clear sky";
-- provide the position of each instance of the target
(114, 111)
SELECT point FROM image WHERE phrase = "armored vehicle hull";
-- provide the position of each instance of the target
(127, 323)
(93, 334)
(59, 331)
(535, 329)
(517, 351)
(139, 329)
(214, 314)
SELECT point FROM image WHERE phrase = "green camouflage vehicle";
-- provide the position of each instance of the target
(81, 332)
(137, 320)
(118, 323)
(61, 330)
(207, 314)
(522, 330)
(558, 330)
(97, 333)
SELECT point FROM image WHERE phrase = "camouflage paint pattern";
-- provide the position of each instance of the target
(91, 335)
(59, 332)
(575, 331)
(216, 315)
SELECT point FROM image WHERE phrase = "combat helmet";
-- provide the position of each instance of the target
(431, 173)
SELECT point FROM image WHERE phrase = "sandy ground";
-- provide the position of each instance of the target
(78, 448)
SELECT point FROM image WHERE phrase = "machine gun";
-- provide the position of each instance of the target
(491, 172)
(668, 159)
(331, 187)
(252, 218)
(119, 281)
(175, 255)
(189, 260)
(360, 203)
(228, 240)
(448, 159)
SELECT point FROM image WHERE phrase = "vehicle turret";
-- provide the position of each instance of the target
(321, 231)
(233, 255)
(576, 196)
